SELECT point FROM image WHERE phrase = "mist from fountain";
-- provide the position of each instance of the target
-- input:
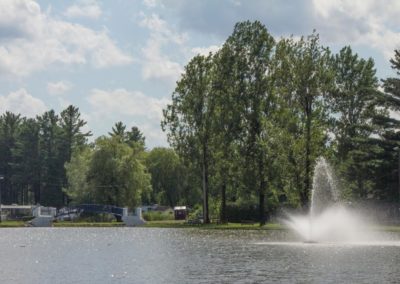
(328, 220)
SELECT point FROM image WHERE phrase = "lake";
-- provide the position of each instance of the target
(152, 255)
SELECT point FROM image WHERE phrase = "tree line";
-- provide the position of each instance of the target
(245, 124)
(49, 160)
(252, 118)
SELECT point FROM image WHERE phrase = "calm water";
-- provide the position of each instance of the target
(144, 255)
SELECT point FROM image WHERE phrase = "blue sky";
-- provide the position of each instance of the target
(119, 60)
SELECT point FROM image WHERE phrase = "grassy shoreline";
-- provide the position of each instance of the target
(177, 224)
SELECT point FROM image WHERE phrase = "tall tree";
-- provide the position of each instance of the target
(252, 48)
(353, 102)
(78, 188)
(188, 118)
(311, 80)
(26, 162)
(9, 126)
(167, 176)
(71, 125)
(118, 130)
(227, 121)
(52, 164)
(72, 136)
(135, 135)
(389, 132)
(116, 173)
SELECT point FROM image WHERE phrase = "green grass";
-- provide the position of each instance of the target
(12, 224)
(177, 224)
(387, 228)
(158, 216)
(227, 226)
(69, 224)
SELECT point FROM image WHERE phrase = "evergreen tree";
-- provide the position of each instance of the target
(52, 164)
(26, 163)
(9, 127)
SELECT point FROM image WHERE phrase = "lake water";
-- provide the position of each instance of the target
(147, 255)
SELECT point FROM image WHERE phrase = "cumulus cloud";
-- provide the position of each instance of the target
(58, 88)
(156, 64)
(217, 18)
(141, 110)
(155, 137)
(84, 9)
(362, 22)
(131, 103)
(31, 40)
(205, 50)
(358, 22)
(150, 3)
(22, 102)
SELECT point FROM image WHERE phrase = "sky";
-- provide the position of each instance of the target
(119, 60)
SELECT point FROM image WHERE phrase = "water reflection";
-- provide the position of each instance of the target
(144, 255)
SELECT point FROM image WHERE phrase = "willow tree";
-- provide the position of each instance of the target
(188, 119)
(116, 174)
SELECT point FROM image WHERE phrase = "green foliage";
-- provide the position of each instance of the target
(158, 215)
(188, 119)
(79, 190)
(116, 173)
(245, 124)
(168, 177)
(258, 113)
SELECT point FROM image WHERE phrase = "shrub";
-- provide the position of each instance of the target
(158, 215)
(241, 212)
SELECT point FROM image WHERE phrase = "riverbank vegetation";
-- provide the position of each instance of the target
(245, 126)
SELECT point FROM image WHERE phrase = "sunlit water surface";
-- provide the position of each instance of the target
(144, 255)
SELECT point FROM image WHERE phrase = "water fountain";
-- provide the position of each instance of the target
(329, 220)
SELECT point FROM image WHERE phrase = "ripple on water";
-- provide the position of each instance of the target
(146, 255)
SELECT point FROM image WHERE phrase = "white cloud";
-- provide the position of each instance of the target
(31, 40)
(143, 111)
(84, 9)
(131, 103)
(155, 137)
(150, 3)
(22, 102)
(361, 22)
(205, 50)
(156, 64)
(58, 88)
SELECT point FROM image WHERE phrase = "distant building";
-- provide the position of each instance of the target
(180, 212)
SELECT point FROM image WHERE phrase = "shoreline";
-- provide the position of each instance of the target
(178, 225)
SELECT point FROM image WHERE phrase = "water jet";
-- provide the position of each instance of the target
(328, 219)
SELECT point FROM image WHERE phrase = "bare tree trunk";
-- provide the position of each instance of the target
(262, 208)
(307, 178)
(223, 202)
(262, 193)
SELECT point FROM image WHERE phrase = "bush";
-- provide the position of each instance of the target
(95, 217)
(27, 218)
(238, 213)
(158, 215)
(196, 213)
